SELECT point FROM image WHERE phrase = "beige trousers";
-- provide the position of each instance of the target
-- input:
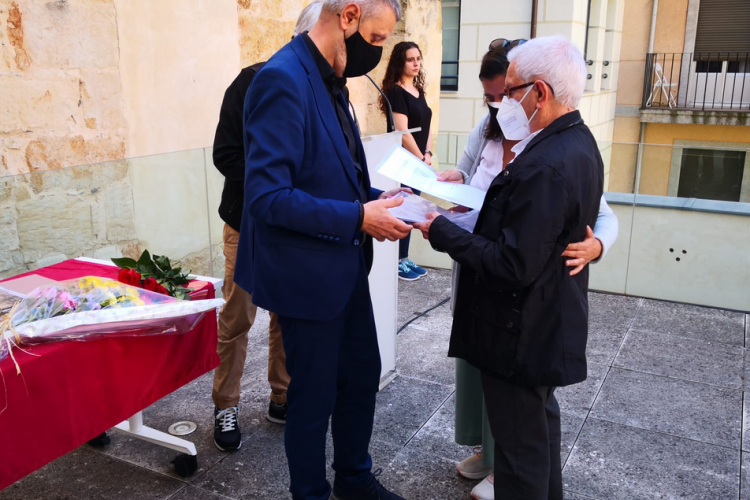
(235, 320)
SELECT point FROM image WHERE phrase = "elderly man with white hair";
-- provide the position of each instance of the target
(520, 317)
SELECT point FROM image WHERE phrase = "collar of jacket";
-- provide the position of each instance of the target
(564, 122)
(326, 110)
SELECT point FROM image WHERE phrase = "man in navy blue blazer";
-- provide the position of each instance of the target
(305, 247)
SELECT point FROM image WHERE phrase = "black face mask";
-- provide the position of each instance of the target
(361, 57)
(493, 112)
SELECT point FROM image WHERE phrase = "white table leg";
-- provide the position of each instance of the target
(134, 426)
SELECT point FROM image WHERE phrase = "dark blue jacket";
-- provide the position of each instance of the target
(299, 249)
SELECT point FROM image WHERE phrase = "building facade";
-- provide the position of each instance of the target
(685, 84)
(469, 26)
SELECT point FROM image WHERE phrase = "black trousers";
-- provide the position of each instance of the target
(525, 422)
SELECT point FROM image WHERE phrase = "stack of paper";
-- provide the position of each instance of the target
(402, 166)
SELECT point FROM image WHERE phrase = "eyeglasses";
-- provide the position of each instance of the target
(524, 85)
(504, 43)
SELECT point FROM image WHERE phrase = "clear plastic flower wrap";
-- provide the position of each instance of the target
(91, 307)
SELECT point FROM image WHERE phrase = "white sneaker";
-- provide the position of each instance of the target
(485, 490)
(472, 467)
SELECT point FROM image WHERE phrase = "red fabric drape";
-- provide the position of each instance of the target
(72, 391)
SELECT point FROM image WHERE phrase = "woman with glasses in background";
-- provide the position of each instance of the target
(485, 156)
(404, 85)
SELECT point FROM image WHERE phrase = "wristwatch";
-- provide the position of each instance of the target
(428, 151)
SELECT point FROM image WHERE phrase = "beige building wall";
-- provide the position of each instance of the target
(175, 63)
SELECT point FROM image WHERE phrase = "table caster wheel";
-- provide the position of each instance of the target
(185, 465)
(100, 441)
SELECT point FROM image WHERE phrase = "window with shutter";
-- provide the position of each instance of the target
(723, 30)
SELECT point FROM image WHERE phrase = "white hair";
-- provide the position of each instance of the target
(367, 6)
(308, 17)
(555, 60)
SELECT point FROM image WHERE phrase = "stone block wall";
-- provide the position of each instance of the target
(88, 83)
(59, 78)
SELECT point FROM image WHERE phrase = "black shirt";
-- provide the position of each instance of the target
(229, 148)
(335, 86)
(416, 110)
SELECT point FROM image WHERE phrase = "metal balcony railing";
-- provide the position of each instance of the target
(697, 81)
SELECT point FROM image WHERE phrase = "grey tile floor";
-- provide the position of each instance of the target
(662, 415)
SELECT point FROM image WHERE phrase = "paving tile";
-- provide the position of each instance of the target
(417, 475)
(745, 483)
(695, 322)
(193, 403)
(422, 349)
(604, 341)
(687, 409)
(746, 421)
(577, 399)
(570, 427)
(257, 470)
(615, 462)
(193, 493)
(437, 435)
(86, 473)
(415, 297)
(706, 362)
(613, 310)
(576, 496)
(404, 406)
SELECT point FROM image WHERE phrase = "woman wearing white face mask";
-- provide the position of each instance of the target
(487, 153)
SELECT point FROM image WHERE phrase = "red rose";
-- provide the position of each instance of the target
(129, 277)
(152, 285)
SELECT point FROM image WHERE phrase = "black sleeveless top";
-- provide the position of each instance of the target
(417, 111)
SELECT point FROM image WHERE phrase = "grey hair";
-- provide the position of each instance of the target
(308, 17)
(555, 60)
(367, 6)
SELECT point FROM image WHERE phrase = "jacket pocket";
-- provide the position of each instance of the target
(495, 335)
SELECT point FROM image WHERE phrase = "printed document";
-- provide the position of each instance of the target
(404, 167)
(415, 209)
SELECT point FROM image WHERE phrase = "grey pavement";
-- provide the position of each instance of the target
(661, 415)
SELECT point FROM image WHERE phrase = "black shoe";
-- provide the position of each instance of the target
(227, 435)
(277, 413)
(370, 490)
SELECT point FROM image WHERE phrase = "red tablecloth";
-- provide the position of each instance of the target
(73, 391)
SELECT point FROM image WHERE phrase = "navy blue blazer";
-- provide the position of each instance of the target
(299, 250)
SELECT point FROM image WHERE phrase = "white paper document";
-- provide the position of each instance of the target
(415, 209)
(404, 167)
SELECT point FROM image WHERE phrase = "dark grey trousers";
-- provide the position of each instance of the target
(525, 422)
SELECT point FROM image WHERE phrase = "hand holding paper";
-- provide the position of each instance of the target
(404, 167)
(381, 224)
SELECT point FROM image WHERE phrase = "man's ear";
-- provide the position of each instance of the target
(349, 15)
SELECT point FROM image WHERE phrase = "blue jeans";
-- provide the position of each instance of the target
(335, 371)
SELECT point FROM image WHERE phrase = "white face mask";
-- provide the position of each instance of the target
(512, 118)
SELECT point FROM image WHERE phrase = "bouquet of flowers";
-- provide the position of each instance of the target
(154, 274)
(89, 307)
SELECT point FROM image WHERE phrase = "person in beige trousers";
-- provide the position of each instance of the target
(238, 314)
